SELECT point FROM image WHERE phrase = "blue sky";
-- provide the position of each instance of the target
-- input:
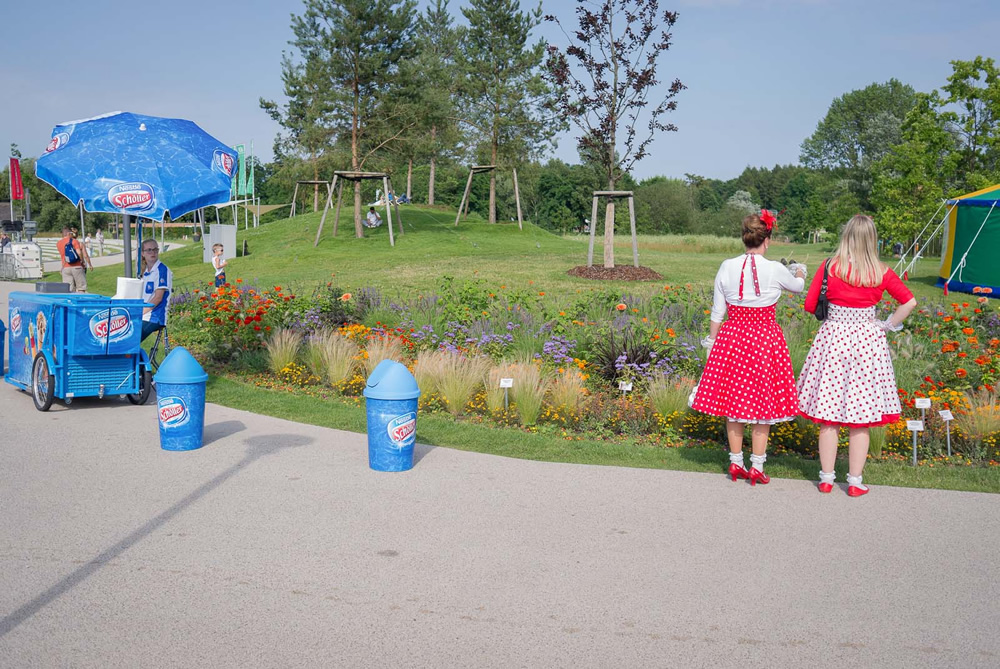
(760, 73)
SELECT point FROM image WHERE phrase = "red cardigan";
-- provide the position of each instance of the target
(843, 294)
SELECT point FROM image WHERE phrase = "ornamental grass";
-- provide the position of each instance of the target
(494, 393)
(379, 348)
(982, 418)
(458, 378)
(567, 391)
(340, 357)
(528, 393)
(282, 349)
(669, 396)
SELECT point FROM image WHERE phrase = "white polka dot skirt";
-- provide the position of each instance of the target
(847, 378)
(748, 377)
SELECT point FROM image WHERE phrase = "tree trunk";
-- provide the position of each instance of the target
(315, 186)
(409, 180)
(356, 160)
(358, 232)
(493, 181)
(430, 185)
(609, 235)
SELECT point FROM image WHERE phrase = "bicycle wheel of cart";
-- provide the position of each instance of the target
(43, 384)
(145, 386)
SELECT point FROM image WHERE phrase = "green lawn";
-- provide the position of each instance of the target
(282, 252)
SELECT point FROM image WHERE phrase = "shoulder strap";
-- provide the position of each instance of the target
(826, 275)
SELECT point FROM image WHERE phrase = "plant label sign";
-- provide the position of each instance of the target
(922, 403)
(506, 383)
(624, 386)
(915, 425)
(946, 414)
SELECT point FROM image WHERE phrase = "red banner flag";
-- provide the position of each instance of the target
(16, 187)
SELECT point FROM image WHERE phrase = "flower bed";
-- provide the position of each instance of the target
(570, 356)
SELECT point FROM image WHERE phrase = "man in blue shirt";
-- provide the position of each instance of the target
(157, 282)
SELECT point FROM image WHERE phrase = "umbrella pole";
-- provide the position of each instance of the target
(127, 244)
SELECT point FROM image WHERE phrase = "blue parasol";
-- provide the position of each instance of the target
(124, 163)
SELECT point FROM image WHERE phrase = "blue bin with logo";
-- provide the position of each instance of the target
(391, 402)
(3, 342)
(180, 401)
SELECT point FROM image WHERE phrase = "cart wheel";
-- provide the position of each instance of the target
(145, 385)
(43, 384)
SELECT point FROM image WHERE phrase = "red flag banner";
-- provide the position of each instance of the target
(16, 187)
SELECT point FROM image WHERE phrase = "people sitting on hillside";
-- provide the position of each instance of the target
(372, 220)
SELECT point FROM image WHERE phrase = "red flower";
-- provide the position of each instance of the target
(767, 218)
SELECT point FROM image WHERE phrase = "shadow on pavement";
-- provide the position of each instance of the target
(221, 430)
(257, 447)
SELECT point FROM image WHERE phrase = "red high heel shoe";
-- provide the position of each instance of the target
(757, 476)
(736, 471)
(826, 487)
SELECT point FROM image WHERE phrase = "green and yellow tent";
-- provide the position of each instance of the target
(970, 262)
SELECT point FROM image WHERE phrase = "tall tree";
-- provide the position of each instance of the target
(307, 117)
(430, 82)
(502, 91)
(859, 129)
(616, 51)
(354, 48)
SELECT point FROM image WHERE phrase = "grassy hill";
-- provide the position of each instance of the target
(282, 252)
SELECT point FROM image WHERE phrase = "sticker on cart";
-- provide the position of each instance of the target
(15, 322)
(173, 412)
(111, 325)
(403, 429)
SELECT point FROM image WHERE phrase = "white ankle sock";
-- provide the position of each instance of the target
(737, 459)
(757, 461)
(827, 477)
(856, 482)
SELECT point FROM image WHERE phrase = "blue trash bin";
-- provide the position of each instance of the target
(180, 393)
(391, 402)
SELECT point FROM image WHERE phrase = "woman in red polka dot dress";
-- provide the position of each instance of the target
(847, 379)
(748, 377)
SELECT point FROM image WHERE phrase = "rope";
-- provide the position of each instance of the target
(902, 259)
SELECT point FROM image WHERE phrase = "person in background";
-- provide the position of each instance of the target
(748, 378)
(4, 242)
(157, 282)
(219, 264)
(100, 241)
(88, 243)
(847, 379)
(372, 220)
(74, 261)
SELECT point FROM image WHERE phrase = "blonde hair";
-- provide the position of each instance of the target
(142, 258)
(856, 260)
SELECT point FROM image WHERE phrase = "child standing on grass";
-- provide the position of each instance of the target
(748, 378)
(219, 263)
(847, 379)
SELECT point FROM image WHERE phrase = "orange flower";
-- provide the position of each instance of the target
(965, 304)
(961, 373)
(988, 290)
(541, 293)
(963, 354)
(345, 297)
(620, 307)
(982, 300)
(976, 289)
(278, 288)
(968, 331)
(947, 319)
(562, 313)
(666, 288)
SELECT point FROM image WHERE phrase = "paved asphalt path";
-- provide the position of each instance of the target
(276, 546)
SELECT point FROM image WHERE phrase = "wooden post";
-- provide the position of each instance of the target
(395, 206)
(468, 185)
(635, 242)
(336, 213)
(609, 234)
(593, 227)
(295, 194)
(326, 208)
(388, 209)
(517, 199)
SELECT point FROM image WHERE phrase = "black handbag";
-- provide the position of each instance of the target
(823, 304)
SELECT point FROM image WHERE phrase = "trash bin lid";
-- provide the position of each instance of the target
(180, 367)
(391, 381)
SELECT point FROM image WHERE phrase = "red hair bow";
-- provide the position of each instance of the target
(767, 218)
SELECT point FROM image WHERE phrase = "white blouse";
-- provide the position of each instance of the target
(772, 277)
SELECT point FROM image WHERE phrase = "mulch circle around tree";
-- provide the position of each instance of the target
(617, 273)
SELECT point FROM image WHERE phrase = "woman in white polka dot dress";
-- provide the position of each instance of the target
(847, 379)
(748, 378)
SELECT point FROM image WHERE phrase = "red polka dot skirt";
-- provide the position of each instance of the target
(748, 377)
(847, 378)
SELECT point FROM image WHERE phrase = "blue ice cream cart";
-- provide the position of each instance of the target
(76, 345)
